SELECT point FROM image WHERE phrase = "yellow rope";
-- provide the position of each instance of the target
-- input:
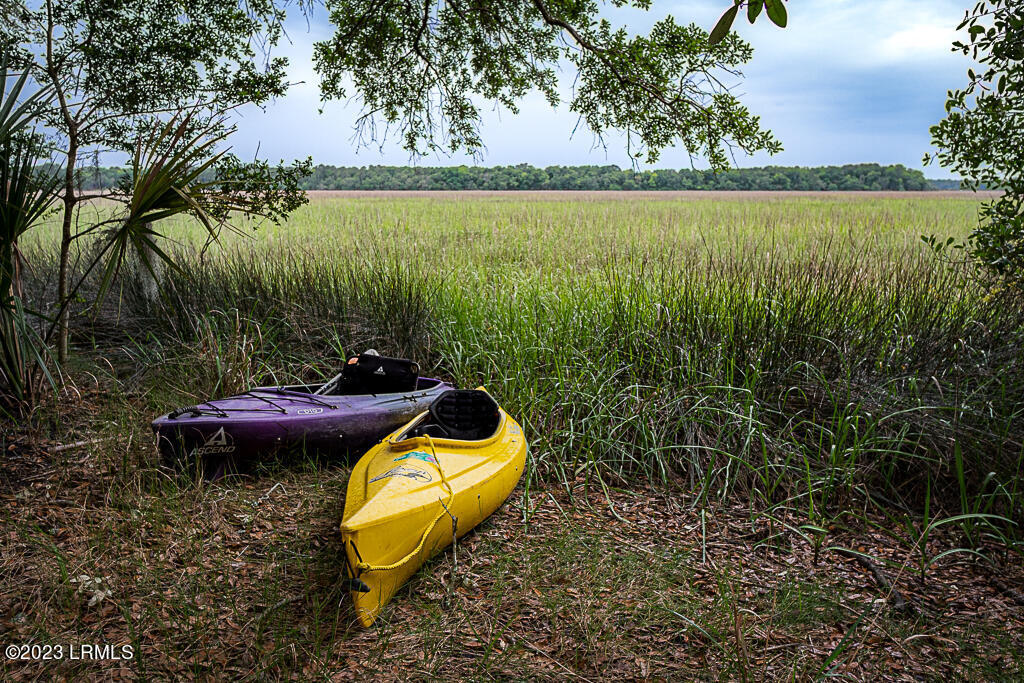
(367, 567)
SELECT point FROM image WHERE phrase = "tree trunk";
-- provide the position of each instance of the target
(63, 276)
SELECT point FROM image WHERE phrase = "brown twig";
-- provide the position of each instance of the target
(78, 444)
(276, 606)
(881, 580)
(1006, 589)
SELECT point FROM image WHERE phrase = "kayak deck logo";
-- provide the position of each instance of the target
(221, 443)
(413, 473)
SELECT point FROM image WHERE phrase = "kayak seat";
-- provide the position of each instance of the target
(372, 374)
(465, 414)
(434, 431)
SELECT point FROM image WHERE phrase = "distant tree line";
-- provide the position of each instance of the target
(947, 184)
(526, 177)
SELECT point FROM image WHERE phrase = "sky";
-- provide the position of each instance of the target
(848, 81)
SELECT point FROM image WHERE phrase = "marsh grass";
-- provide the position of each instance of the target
(709, 420)
(803, 353)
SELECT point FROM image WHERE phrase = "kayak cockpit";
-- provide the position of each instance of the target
(458, 415)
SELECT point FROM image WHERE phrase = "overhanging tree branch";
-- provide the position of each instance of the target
(661, 89)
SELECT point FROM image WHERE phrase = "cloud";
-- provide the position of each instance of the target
(919, 42)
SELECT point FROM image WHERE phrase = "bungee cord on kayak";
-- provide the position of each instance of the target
(445, 509)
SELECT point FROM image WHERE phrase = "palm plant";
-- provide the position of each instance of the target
(169, 177)
(177, 169)
(26, 192)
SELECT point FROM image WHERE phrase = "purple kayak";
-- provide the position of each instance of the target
(225, 433)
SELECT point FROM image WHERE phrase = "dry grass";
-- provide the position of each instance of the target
(641, 195)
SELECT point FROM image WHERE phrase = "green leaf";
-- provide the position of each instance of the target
(842, 644)
(721, 29)
(754, 9)
(776, 12)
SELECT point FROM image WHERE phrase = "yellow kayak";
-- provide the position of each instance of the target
(432, 480)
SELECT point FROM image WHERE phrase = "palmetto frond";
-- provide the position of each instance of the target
(26, 193)
(166, 180)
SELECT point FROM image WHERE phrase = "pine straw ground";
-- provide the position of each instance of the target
(240, 580)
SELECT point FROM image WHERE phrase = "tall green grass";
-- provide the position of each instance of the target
(806, 354)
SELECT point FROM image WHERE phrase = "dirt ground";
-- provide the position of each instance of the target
(241, 579)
